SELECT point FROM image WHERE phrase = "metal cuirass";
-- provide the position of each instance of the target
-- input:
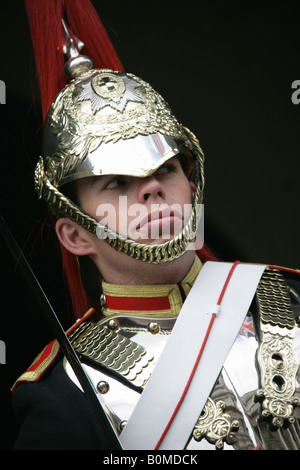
(254, 402)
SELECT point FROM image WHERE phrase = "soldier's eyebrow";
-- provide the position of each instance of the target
(95, 179)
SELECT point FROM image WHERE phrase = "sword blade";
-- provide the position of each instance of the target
(109, 432)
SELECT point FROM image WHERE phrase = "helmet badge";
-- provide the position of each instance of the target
(109, 89)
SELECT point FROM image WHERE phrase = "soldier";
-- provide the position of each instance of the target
(185, 352)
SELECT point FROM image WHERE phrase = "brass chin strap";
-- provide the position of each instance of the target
(158, 253)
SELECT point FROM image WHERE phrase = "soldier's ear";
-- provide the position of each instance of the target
(74, 238)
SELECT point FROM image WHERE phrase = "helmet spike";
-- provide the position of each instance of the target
(72, 46)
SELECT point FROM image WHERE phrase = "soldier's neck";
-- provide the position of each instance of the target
(142, 273)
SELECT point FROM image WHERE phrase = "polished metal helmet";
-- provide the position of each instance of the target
(107, 122)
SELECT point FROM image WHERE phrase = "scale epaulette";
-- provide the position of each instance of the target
(47, 357)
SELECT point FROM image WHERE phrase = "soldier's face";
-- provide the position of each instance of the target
(149, 210)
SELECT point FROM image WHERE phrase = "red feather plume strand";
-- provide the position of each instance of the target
(44, 19)
(45, 22)
(206, 254)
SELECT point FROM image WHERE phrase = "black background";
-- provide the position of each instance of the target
(226, 68)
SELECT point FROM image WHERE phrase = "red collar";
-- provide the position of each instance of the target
(148, 300)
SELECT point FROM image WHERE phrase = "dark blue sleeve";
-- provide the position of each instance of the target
(53, 414)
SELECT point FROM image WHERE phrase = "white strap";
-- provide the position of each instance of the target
(165, 387)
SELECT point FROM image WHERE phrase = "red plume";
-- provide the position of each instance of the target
(45, 22)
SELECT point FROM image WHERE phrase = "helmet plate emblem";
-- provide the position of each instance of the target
(109, 89)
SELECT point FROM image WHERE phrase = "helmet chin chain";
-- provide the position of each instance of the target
(62, 206)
